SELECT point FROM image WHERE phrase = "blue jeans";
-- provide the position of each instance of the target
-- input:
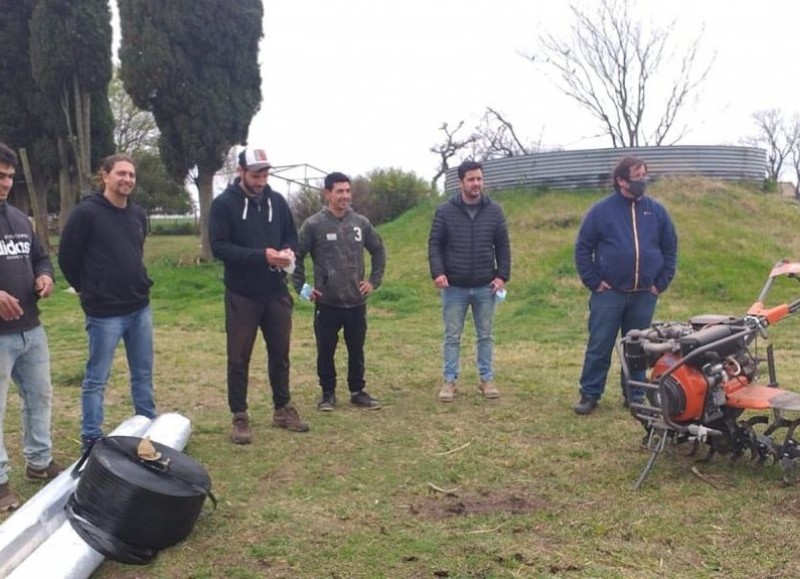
(455, 301)
(136, 330)
(25, 358)
(610, 312)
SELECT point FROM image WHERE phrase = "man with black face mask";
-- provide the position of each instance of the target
(252, 232)
(626, 254)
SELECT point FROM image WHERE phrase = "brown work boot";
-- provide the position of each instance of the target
(488, 389)
(241, 433)
(448, 392)
(8, 500)
(50, 472)
(288, 418)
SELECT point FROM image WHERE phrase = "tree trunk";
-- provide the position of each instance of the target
(205, 194)
(38, 203)
(80, 137)
(83, 116)
(66, 183)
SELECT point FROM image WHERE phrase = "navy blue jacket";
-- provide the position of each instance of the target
(241, 229)
(631, 245)
(469, 252)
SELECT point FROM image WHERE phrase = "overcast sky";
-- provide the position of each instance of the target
(353, 85)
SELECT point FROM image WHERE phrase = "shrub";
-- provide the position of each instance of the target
(385, 194)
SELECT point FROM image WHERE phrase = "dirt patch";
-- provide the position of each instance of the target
(788, 508)
(463, 503)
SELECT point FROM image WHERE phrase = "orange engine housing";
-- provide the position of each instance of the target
(692, 384)
(686, 390)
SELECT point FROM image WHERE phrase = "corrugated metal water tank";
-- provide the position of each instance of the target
(592, 168)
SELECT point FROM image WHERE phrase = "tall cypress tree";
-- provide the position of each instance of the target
(71, 62)
(14, 70)
(21, 123)
(194, 64)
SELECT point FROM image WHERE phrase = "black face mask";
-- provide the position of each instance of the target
(637, 188)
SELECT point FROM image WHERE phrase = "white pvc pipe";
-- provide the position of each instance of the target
(65, 555)
(31, 524)
(171, 429)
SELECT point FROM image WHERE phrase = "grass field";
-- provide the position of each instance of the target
(517, 487)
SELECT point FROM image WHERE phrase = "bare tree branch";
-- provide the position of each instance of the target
(778, 136)
(448, 149)
(608, 64)
(494, 137)
(795, 153)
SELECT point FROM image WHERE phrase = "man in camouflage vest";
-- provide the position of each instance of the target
(336, 238)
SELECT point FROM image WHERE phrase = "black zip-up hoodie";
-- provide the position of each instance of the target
(101, 255)
(240, 229)
(22, 260)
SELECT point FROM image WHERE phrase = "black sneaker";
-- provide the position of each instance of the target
(586, 405)
(364, 400)
(88, 443)
(328, 403)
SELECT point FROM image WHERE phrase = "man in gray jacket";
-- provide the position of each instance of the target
(470, 260)
(336, 238)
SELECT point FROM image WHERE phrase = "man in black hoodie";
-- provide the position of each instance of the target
(101, 254)
(26, 275)
(252, 232)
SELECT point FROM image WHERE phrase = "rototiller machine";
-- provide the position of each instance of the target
(703, 376)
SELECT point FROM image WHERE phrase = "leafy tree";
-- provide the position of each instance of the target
(156, 191)
(136, 133)
(385, 194)
(194, 64)
(135, 130)
(70, 53)
(614, 67)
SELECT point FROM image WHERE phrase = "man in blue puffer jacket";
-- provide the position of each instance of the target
(626, 254)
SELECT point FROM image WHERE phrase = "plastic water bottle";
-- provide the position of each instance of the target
(500, 296)
(305, 293)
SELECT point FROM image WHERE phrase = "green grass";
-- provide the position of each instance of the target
(533, 490)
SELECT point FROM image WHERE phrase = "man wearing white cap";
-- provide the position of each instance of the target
(252, 232)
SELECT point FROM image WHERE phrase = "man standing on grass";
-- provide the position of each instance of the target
(470, 261)
(336, 238)
(26, 275)
(252, 232)
(101, 253)
(626, 255)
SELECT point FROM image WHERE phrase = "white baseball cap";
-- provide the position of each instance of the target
(254, 159)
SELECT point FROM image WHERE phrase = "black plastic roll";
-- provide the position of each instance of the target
(127, 508)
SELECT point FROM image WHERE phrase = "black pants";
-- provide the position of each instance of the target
(328, 320)
(243, 318)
